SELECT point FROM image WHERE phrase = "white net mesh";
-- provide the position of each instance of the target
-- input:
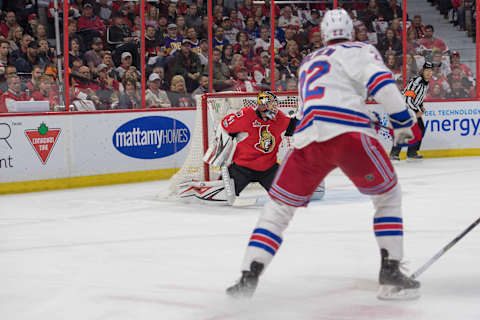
(211, 109)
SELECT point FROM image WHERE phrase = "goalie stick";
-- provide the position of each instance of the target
(228, 188)
(417, 273)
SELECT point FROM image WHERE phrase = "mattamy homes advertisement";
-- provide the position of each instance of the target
(72, 145)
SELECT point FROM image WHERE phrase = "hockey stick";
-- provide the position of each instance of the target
(228, 186)
(443, 250)
(255, 201)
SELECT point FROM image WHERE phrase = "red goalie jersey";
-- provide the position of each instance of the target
(258, 151)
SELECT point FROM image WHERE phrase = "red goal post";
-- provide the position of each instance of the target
(211, 109)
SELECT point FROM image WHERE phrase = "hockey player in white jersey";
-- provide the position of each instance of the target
(335, 131)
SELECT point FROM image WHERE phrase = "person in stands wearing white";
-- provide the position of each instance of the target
(288, 19)
(334, 131)
(126, 63)
(154, 96)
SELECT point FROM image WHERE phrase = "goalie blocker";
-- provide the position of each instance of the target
(250, 139)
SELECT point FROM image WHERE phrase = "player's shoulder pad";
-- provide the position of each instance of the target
(239, 115)
(247, 111)
(372, 50)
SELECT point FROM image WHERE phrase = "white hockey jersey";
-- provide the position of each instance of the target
(333, 84)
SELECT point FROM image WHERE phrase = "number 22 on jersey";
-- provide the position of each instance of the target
(316, 70)
(308, 89)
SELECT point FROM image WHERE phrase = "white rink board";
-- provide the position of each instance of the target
(85, 144)
(23, 162)
(105, 158)
(452, 125)
(449, 125)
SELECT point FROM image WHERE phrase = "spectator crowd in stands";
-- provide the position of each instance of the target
(104, 49)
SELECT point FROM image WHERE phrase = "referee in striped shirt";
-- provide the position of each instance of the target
(414, 93)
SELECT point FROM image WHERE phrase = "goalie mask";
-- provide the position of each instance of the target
(267, 104)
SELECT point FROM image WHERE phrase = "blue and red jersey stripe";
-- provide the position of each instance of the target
(378, 81)
(333, 114)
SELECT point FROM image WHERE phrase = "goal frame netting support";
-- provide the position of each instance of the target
(211, 108)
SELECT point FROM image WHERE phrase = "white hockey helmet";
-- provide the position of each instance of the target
(336, 24)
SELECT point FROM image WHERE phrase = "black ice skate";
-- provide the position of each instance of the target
(245, 287)
(394, 285)
(394, 157)
(414, 156)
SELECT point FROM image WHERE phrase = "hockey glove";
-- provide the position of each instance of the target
(405, 128)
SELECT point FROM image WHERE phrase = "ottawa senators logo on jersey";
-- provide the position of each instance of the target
(266, 142)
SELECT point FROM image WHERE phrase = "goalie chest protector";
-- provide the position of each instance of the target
(258, 151)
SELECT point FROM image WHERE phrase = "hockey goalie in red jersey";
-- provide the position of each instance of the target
(253, 135)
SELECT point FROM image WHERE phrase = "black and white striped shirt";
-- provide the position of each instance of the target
(415, 92)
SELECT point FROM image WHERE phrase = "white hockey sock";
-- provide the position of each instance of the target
(267, 235)
(388, 222)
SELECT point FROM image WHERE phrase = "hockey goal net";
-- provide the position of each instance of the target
(211, 108)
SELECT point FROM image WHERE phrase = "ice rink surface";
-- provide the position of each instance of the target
(118, 253)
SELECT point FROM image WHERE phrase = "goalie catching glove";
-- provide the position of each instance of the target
(405, 128)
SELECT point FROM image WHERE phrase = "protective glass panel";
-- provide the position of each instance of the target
(104, 57)
(380, 24)
(29, 78)
(444, 34)
(105, 65)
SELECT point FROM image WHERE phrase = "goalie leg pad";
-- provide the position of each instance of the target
(191, 188)
(211, 192)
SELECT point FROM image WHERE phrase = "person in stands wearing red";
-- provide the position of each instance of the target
(88, 21)
(242, 83)
(84, 84)
(430, 42)
(109, 88)
(45, 92)
(455, 60)
(34, 82)
(418, 27)
(13, 94)
(10, 22)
